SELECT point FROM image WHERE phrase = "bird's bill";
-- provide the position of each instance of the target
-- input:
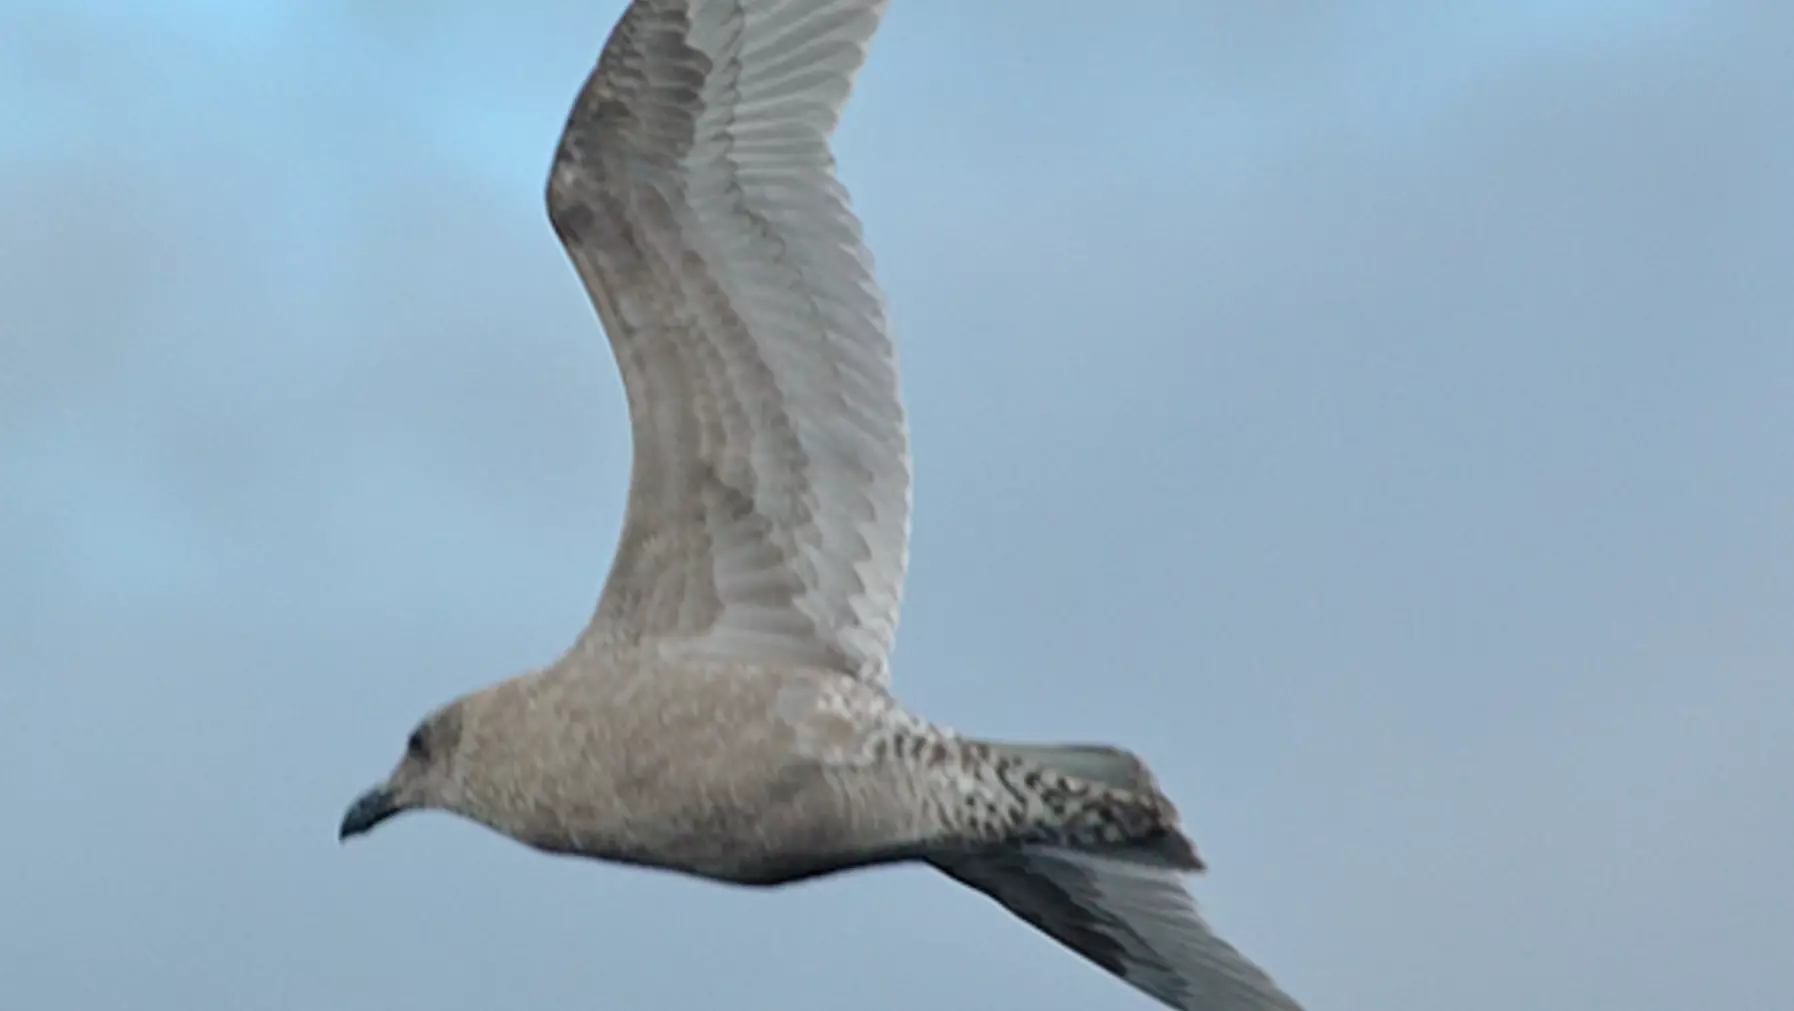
(369, 809)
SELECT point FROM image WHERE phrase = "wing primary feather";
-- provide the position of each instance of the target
(1134, 919)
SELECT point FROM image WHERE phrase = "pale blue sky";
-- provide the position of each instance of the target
(1380, 415)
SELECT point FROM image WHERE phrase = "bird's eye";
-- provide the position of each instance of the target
(415, 746)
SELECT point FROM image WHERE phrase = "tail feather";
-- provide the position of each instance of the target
(1131, 918)
(1098, 763)
(1125, 797)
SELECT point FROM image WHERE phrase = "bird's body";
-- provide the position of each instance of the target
(763, 774)
(704, 767)
(727, 713)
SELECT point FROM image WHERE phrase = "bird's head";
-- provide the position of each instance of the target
(425, 777)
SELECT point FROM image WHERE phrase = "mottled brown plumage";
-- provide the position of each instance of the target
(726, 713)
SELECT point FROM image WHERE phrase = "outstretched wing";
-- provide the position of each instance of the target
(694, 191)
(1135, 920)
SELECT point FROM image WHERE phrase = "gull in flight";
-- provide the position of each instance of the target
(727, 711)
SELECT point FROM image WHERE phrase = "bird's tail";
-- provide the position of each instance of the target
(1098, 763)
(1108, 801)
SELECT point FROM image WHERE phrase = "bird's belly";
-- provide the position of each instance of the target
(762, 823)
(736, 789)
(733, 804)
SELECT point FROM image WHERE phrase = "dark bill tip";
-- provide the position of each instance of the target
(369, 809)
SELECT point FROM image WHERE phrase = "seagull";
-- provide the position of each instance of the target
(727, 711)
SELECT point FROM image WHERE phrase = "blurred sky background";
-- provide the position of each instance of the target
(1380, 415)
